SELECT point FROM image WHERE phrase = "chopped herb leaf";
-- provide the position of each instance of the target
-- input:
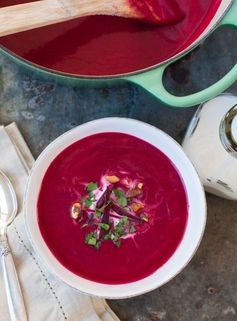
(104, 226)
(98, 244)
(122, 201)
(91, 195)
(87, 202)
(91, 187)
(92, 241)
(91, 238)
(93, 207)
(107, 236)
(118, 192)
(124, 220)
(132, 229)
(119, 229)
(117, 243)
(114, 237)
(98, 214)
(129, 200)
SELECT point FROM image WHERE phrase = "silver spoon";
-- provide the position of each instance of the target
(8, 211)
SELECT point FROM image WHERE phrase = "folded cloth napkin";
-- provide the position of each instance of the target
(46, 298)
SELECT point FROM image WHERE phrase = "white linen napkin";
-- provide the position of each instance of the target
(46, 298)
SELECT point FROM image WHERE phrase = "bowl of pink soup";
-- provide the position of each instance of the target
(114, 208)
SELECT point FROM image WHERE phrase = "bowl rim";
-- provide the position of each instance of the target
(175, 263)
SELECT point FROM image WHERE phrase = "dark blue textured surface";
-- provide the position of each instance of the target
(206, 290)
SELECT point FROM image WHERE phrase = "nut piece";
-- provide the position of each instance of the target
(76, 211)
(140, 185)
(136, 207)
(112, 179)
(126, 182)
(144, 217)
(134, 192)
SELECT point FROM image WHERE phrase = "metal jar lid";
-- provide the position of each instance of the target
(234, 129)
(228, 131)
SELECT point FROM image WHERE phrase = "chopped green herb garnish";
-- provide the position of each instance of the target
(124, 220)
(92, 241)
(122, 201)
(92, 196)
(129, 200)
(104, 226)
(91, 187)
(98, 244)
(98, 214)
(107, 236)
(132, 229)
(93, 206)
(114, 237)
(118, 192)
(118, 243)
(110, 217)
(91, 238)
(87, 202)
(119, 229)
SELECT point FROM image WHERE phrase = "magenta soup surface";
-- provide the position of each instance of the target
(163, 193)
(105, 45)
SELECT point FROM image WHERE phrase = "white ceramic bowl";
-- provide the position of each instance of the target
(196, 213)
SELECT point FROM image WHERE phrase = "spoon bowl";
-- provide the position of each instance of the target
(8, 201)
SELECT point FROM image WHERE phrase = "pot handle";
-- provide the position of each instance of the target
(152, 80)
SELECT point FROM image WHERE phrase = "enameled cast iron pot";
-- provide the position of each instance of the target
(224, 12)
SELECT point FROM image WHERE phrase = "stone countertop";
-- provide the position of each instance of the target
(206, 290)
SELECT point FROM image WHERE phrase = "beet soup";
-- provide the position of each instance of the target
(112, 208)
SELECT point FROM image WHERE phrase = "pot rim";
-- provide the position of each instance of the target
(207, 31)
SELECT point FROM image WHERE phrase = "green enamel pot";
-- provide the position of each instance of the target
(151, 79)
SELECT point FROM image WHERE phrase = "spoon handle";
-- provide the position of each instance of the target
(27, 16)
(31, 15)
(14, 295)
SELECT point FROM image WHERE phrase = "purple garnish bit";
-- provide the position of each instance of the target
(108, 191)
(90, 218)
(115, 215)
(131, 217)
(104, 197)
(119, 210)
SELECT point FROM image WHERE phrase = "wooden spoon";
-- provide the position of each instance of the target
(36, 14)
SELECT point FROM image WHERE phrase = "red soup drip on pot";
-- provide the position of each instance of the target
(164, 198)
(102, 45)
(157, 11)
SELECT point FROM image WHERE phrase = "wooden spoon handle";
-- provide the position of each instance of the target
(37, 14)
(31, 15)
